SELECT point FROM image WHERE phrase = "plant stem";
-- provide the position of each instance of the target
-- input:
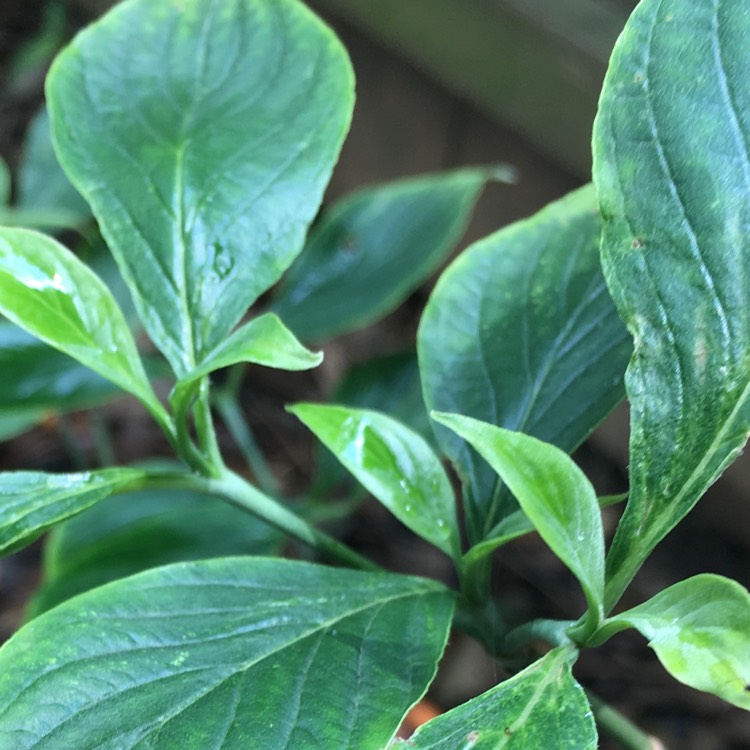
(553, 632)
(226, 403)
(204, 426)
(105, 454)
(620, 727)
(237, 491)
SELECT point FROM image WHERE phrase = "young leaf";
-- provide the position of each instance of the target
(520, 332)
(373, 248)
(672, 171)
(31, 501)
(552, 491)
(234, 653)
(263, 341)
(130, 533)
(36, 376)
(700, 630)
(393, 463)
(48, 292)
(203, 150)
(541, 707)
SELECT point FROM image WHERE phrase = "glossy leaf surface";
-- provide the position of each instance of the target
(32, 501)
(673, 175)
(520, 332)
(552, 491)
(372, 249)
(234, 653)
(203, 146)
(263, 341)
(393, 463)
(137, 531)
(700, 630)
(47, 291)
(388, 384)
(541, 707)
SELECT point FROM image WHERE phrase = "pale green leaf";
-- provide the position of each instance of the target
(47, 291)
(541, 708)
(700, 630)
(551, 490)
(203, 146)
(672, 171)
(32, 501)
(235, 653)
(393, 463)
(520, 332)
(373, 248)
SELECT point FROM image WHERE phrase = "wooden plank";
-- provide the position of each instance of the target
(535, 64)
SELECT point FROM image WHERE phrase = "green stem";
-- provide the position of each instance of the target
(204, 426)
(620, 727)
(105, 454)
(226, 403)
(237, 491)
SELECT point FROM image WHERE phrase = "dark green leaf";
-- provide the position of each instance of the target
(32, 501)
(137, 531)
(393, 463)
(47, 291)
(373, 249)
(43, 188)
(520, 332)
(235, 653)
(541, 708)
(673, 177)
(36, 376)
(203, 146)
(700, 630)
(552, 491)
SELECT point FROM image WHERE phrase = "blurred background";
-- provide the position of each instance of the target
(441, 84)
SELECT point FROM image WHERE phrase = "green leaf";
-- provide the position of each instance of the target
(372, 249)
(700, 630)
(263, 341)
(203, 146)
(38, 377)
(388, 384)
(16, 422)
(137, 531)
(43, 187)
(520, 332)
(518, 524)
(48, 292)
(394, 464)
(541, 707)
(234, 653)
(552, 491)
(673, 176)
(32, 501)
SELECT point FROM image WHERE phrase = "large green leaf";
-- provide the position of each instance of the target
(395, 464)
(700, 630)
(203, 145)
(520, 332)
(373, 248)
(47, 291)
(541, 708)
(32, 501)
(552, 491)
(673, 175)
(234, 653)
(36, 376)
(137, 531)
